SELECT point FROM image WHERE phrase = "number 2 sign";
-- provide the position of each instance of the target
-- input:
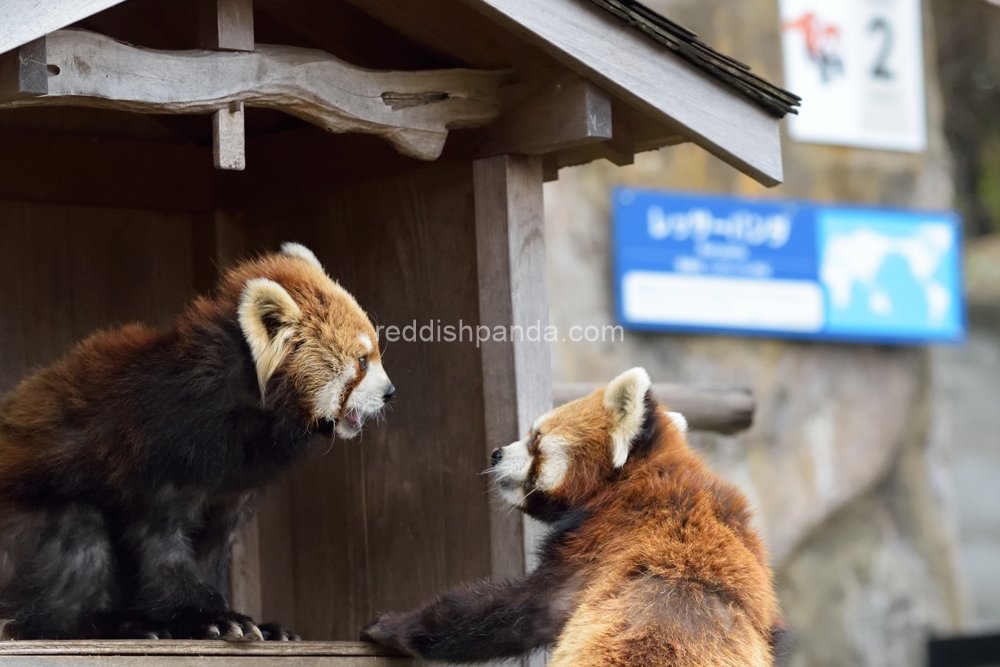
(859, 67)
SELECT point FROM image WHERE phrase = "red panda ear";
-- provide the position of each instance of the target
(625, 398)
(267, 314)
(302, 252)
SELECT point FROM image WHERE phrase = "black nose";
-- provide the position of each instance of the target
(389, 393)
(496, 456)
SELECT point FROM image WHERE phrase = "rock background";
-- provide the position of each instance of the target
(849, 462)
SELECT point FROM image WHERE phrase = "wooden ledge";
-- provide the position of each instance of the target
(411, 110)
(717, 409)
(207, 652)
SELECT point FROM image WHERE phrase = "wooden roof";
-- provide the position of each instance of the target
(670, 85)
(685, 43)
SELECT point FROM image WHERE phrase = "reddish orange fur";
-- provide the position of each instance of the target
(651, 563)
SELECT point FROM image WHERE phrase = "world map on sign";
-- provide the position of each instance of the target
(898, 275)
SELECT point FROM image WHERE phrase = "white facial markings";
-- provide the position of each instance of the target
(366, 400)
(679, 421)
(366, 341)
(512, 472)
(327, 403)
(555, 462)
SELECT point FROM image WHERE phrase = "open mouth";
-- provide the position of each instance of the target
(353, 419)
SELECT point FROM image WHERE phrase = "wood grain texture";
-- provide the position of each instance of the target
(22, 71)
(388, 521)
(517, 384)
(561, 115)
(176, 647)
(645, 74)
(718, 409)
(200, 661)
(228, 138)
(94, 171)
(226, 25)
(25, 20)
(411, 110)
(71, 270)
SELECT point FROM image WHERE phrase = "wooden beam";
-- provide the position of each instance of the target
(716, 409)
(26, 20)
(22, 71)
(226, 25)
(203, 653)
(562, 115)
(67, 169)
(411, 110)
(646, 75)
(517, 385)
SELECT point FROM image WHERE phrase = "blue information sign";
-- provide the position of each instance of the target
(725, 264)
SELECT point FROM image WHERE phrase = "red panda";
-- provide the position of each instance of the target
(127, 466)
(651, 559)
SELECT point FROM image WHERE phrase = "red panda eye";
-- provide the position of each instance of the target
(363, 363)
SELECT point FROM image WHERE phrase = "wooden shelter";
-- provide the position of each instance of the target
(144, 144)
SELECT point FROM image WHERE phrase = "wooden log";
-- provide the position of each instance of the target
(22, 71)
(411, 110)
(716, 409)
(226, 25)
(26, 20)
(561, 115)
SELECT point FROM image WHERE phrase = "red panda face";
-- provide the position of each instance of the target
(571, 452)
(305, 331)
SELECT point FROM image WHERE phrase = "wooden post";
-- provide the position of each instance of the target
(517, 376)
(227, 25)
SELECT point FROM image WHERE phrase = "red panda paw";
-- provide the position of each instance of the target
(392, 631)
(228, 626)
(275, 633)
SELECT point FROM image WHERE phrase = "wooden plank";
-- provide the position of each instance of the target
(276, 552)
(348, 33)
(176, 647)
(202, 661)
(22, 71)
(226, 25)
(386, 522)
(517, 384)
(562, 115)
(411, 110)
(450, 28)
(70, 270)
(718, 409)
(97, 171)
(228, 138)
(646, 75)
(25, 20)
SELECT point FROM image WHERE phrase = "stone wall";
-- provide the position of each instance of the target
(841, 462)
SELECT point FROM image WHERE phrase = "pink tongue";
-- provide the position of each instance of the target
(353, 418)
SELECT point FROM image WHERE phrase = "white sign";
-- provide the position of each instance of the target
(859, 67)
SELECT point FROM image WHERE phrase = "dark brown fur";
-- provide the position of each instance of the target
(127, 466)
